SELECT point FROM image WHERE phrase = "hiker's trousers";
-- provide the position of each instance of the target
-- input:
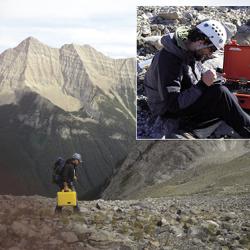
(218, 102)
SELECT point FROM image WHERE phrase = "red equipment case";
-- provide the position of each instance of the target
(236, 70)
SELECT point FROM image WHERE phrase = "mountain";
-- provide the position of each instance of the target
(170, 168)
(55, 102)
(70, 77)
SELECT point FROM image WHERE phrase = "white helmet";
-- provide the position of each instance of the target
(215, 31)
(77, 156)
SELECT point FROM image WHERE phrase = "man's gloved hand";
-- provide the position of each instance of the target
(65, 188)
(75, 178)
(208, 77)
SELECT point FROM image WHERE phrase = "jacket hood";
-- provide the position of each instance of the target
(174, 43)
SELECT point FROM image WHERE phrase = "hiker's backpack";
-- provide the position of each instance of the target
(57, 170)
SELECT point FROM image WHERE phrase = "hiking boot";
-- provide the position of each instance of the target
(76, 209)
(58, 210)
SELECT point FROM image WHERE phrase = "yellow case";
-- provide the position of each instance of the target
(66, 198)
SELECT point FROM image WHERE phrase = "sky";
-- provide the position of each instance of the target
(107, 25)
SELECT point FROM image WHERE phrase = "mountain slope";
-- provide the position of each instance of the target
(58, 101)
(232, 178)
(175, 168)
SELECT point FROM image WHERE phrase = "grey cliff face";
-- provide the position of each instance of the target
(58, 101)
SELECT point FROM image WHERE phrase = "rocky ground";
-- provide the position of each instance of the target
(195, 222)
(153, 22)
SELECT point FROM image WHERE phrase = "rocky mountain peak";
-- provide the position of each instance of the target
(28, 43)
(32, 40)
(71, 77)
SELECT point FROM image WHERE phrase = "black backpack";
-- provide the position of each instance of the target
(57, 170)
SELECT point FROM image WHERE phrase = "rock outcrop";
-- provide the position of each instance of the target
(58, 101)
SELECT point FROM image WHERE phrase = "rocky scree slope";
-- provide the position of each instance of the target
(58, 101)
(154, 22)
(156, 169)
(196, 222)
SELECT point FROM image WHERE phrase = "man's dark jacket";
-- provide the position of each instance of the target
(69, 171)
(173, 80)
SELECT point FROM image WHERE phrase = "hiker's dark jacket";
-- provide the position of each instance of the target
(173, 80)
(69, 171)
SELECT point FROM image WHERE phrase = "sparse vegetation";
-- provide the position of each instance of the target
(200, 221)
(217, 179)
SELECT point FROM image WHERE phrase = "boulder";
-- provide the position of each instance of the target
(231, 29)
(169, 13)
(243, 35)
(211, 227)
(69, 237)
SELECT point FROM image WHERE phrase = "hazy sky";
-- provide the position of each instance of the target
(107, 25)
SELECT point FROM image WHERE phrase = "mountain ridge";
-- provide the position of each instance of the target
(36, 62)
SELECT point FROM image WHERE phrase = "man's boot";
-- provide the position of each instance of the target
(76, 209)
(58, 210)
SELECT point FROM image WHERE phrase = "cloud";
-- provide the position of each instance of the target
(107, 42)
(109, 25)
(63, 8)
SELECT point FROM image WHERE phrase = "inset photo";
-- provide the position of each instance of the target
(193, 75)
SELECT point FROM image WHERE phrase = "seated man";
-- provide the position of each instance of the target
(178, 86)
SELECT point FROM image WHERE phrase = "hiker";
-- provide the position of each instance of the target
(67, 177)
(179, 87)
